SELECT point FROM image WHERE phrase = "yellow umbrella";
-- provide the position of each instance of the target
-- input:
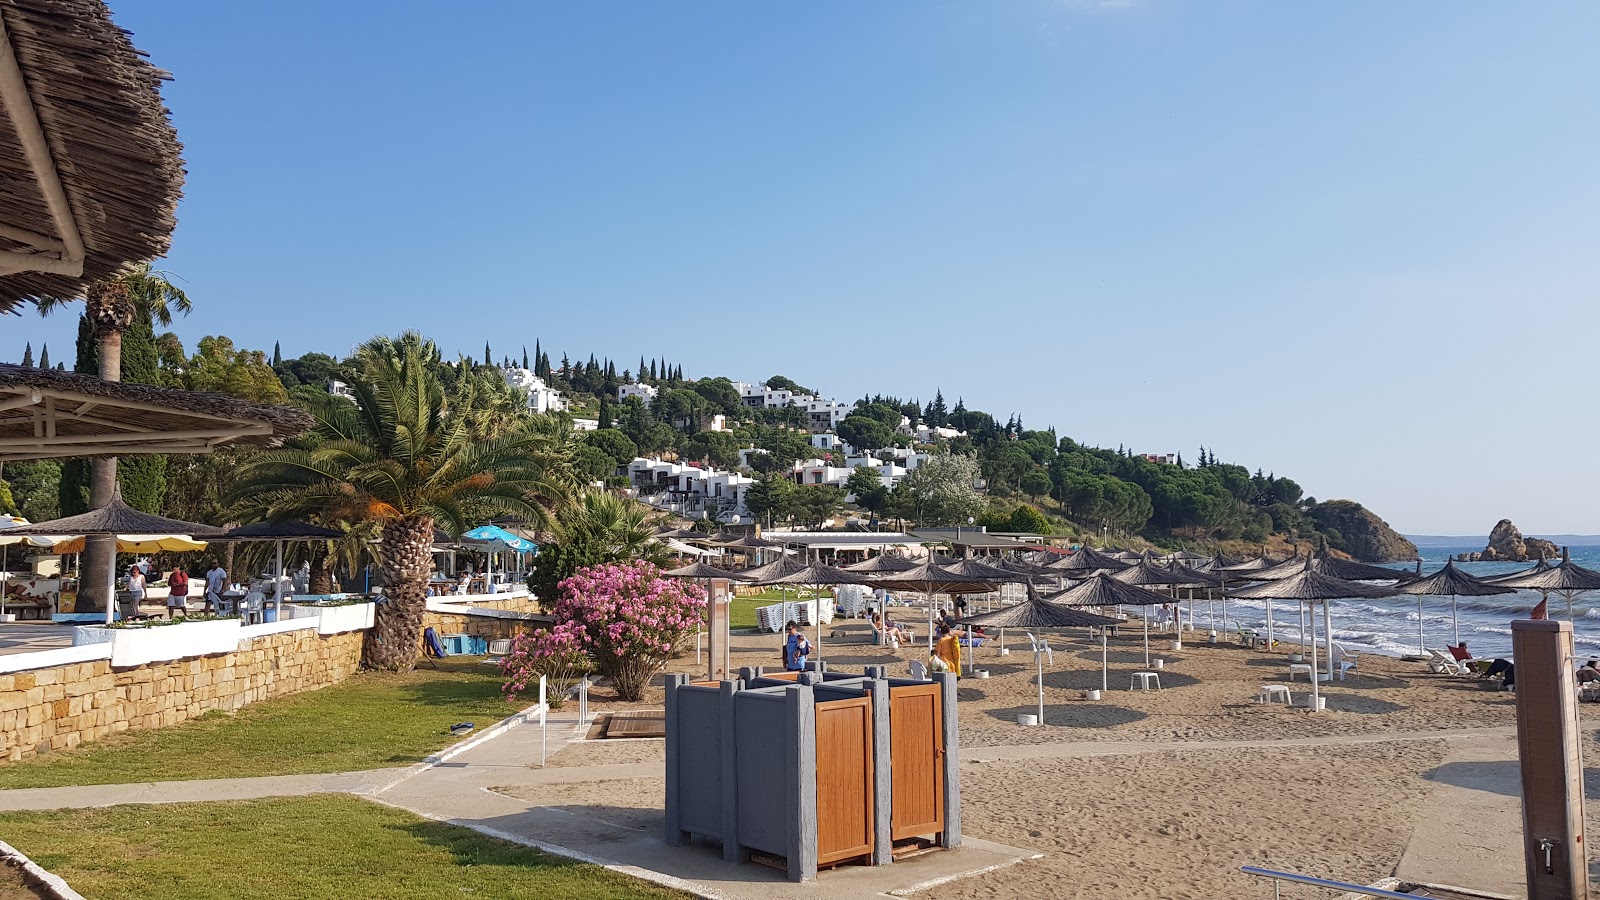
(133, 543)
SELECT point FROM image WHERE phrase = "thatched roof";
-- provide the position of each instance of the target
(1249, 565)
(1453, 582)
(49, 414)
(1309, 584)
(1145, 573)
(699, 570)
(1100, 589)
(881, 564)
(1540, 566)
(116, 517)
(279, 531)
(930, 577)
(766, 574)
(1036, 613)
(1566, 578)
(90, 171)
(1086, 559)
(748, 542)
(816, 574)
(1194, 577)
(1345, 569)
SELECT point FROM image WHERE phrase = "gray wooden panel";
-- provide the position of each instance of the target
(764, 780)
(700, 761)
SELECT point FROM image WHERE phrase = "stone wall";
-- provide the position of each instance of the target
(51, 708)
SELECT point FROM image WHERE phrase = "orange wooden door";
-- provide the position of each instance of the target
(844, 779)
(782, 676)
(916, 759)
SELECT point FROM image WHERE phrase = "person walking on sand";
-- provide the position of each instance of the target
(796, 649)
(177, 592)
(136, 584)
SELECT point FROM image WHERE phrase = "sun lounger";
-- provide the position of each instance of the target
(1440, 661)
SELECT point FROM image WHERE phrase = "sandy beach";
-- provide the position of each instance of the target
(1160, 794)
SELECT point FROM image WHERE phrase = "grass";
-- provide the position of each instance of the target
(320, 846)
(742, 613)
(370, 721)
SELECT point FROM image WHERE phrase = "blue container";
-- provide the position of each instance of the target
(269, 614)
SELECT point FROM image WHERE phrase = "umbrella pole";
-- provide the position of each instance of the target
(1316, 677)
(1146, 618)
(1421, 643)
(277, 585)
(1327, 633)
(111, 581)
(928, 596)
(1269, 626)
(1455, 623)
(1105, 668)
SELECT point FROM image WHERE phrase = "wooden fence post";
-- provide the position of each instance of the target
(882, 775)
(950, 838)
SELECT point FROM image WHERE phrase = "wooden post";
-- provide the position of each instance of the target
(674, 792)
(1555, 858)
(718, 608)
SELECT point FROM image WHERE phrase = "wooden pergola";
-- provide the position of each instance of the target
(90, 165)
(47, 414)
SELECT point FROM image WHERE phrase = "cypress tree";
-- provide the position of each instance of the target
(72, 492)
(524, 356)
(44, 356)
(277, 355)
(144, 477)
(27, 355)
(488, 360)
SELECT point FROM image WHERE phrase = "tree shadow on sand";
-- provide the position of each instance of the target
(1117, 679)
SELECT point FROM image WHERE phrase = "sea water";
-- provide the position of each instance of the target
(1389, 625)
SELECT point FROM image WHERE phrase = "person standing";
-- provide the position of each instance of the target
(948, 650)
(178, 592)
(216, 583)
(136, 583)
(796, 649)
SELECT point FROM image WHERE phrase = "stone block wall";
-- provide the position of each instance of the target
(53, 708)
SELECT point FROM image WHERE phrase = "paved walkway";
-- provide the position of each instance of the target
(1468, 834)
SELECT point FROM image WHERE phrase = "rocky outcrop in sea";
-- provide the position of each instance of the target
(1506, 544)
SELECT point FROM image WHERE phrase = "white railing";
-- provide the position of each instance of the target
(1279, 877)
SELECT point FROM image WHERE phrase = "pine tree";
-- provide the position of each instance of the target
(44, 356)
(605, 410)
(566, 367)
(27, 355)
(61, 367)
(627, 377)
(277, 355)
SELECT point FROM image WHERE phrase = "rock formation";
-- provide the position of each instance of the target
(1356, 530)
(1507, 544)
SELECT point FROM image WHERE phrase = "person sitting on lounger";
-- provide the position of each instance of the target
(1503, 667)
(889, 633)
(1589, 672)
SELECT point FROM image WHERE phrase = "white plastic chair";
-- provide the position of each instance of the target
(919, 671)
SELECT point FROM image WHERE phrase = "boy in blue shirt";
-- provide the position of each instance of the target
(796, 649)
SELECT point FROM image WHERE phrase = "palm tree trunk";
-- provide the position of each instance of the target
(100, 551)
(396, 635)
(321, 576)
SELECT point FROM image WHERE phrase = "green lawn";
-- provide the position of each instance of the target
(742, 613)
(370, 721)
(322, 846)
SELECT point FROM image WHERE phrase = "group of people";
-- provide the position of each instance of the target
(216, 581)
(1506, 670)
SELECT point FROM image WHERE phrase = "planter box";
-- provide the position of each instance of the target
(340, 619)
(161, 643)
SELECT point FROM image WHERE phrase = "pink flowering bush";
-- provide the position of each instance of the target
(630, 618)
(556, 654)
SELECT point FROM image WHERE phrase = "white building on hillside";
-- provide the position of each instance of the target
(822, 414)
(689, 490)
(339, 389)
(542, 398)
(645, 392)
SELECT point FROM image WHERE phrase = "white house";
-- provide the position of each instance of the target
(339, 389)
(645, 392)
(585, 424)
(690, 490)
(542, 398)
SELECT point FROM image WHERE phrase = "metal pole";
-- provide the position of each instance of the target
(1316, 678)
(1105, 668)
(1421, 644)
(277, 585)
(1455, 623)
(1269, 626)
(1327, 632)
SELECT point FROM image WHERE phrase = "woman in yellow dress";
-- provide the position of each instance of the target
(949, 650)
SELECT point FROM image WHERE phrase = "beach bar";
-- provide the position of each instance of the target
(809, 770)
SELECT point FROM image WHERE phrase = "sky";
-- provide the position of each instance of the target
(1348, 243)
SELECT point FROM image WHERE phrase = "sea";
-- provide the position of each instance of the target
(1389, 626)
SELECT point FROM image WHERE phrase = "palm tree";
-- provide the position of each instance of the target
(599, 526)
(111, 308)
(405, 455)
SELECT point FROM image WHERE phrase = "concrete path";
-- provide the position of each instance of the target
(89, 795)
(1470, 832)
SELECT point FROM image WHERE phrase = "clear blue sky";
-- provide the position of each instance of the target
(1352, 243)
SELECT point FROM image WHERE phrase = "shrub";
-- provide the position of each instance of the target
(557, 654)
(630, 618)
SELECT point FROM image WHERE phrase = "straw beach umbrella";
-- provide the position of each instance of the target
(1448, 580)
(1085, 561)
(818, 577)
(930, 578)
(1037, 615)
(115, 518)
(1103, 589)
(1312, 587)
(1567, 579)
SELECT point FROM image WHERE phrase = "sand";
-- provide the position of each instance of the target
(1147, 795)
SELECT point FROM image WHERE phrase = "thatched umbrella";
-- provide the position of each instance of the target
(1244, 568)
(116, 517)
(1035, 614)
(931, 578)
(881, 564)
(1543, 565)
(278, 532)
(1103, 589)
(1194, 579)
(1311, 586)
(819, 577)
(1448, 580)
(1331, 566)
(701, 571)
(1085, 561)
(1567, 579)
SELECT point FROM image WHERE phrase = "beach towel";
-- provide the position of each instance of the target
(431, 639)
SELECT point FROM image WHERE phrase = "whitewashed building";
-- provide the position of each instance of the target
(646, 393)
(690, 490)
(542, 398)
